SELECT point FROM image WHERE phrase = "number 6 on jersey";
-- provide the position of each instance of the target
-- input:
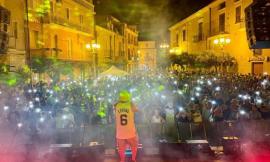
(123, 119)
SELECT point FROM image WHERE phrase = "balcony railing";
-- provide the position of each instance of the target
(198, 38)
(175, 44)
(64, 22)
(46, 52)
(122, 54)
(216, 31)
(241, 23)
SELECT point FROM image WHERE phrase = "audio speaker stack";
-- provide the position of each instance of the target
(258, 24)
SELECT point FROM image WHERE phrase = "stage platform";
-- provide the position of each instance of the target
(156, 159)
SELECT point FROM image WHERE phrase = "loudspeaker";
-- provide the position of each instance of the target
(4, 38)
(89, 154)
(172, 151)
(231, 146)
(4, 15)
(186, 150)
(258, 24)
(69, 153)
(200, 148)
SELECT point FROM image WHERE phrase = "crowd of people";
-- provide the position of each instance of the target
(223, 98)
(162, 97)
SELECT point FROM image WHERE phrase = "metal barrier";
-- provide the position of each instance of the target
(213, 132)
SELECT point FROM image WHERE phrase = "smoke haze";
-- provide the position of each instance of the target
(152, 16)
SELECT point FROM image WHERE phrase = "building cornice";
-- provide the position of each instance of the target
(85, 3)
(107, 30)
(66, 28)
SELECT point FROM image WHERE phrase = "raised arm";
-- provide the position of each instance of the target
(134, 108)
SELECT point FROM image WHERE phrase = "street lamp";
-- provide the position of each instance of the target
(88, 46)
(222, 41)
(164, 46)
(93, 48)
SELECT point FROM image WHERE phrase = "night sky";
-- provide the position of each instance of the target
(153, 17)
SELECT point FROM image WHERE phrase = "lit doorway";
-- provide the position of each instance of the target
(257, 68)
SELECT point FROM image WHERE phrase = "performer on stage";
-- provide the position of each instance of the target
(126, 133)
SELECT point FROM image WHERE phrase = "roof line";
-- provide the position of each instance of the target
(190, 16)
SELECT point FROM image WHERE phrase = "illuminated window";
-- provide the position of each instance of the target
(238, 14)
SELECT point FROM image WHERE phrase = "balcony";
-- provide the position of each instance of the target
(241, 23)
(217, 31)
(175, 44)
(45, 52)
(64, 22)
(217, 28)
(198, 38)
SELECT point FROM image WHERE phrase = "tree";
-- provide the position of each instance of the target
(25, 73)
(52, 66)
(4, 68)
(204, 60)
(201, 61)
(40, 65)
(59, 68)
(228, 62)
(191, 60)
(214, 61)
